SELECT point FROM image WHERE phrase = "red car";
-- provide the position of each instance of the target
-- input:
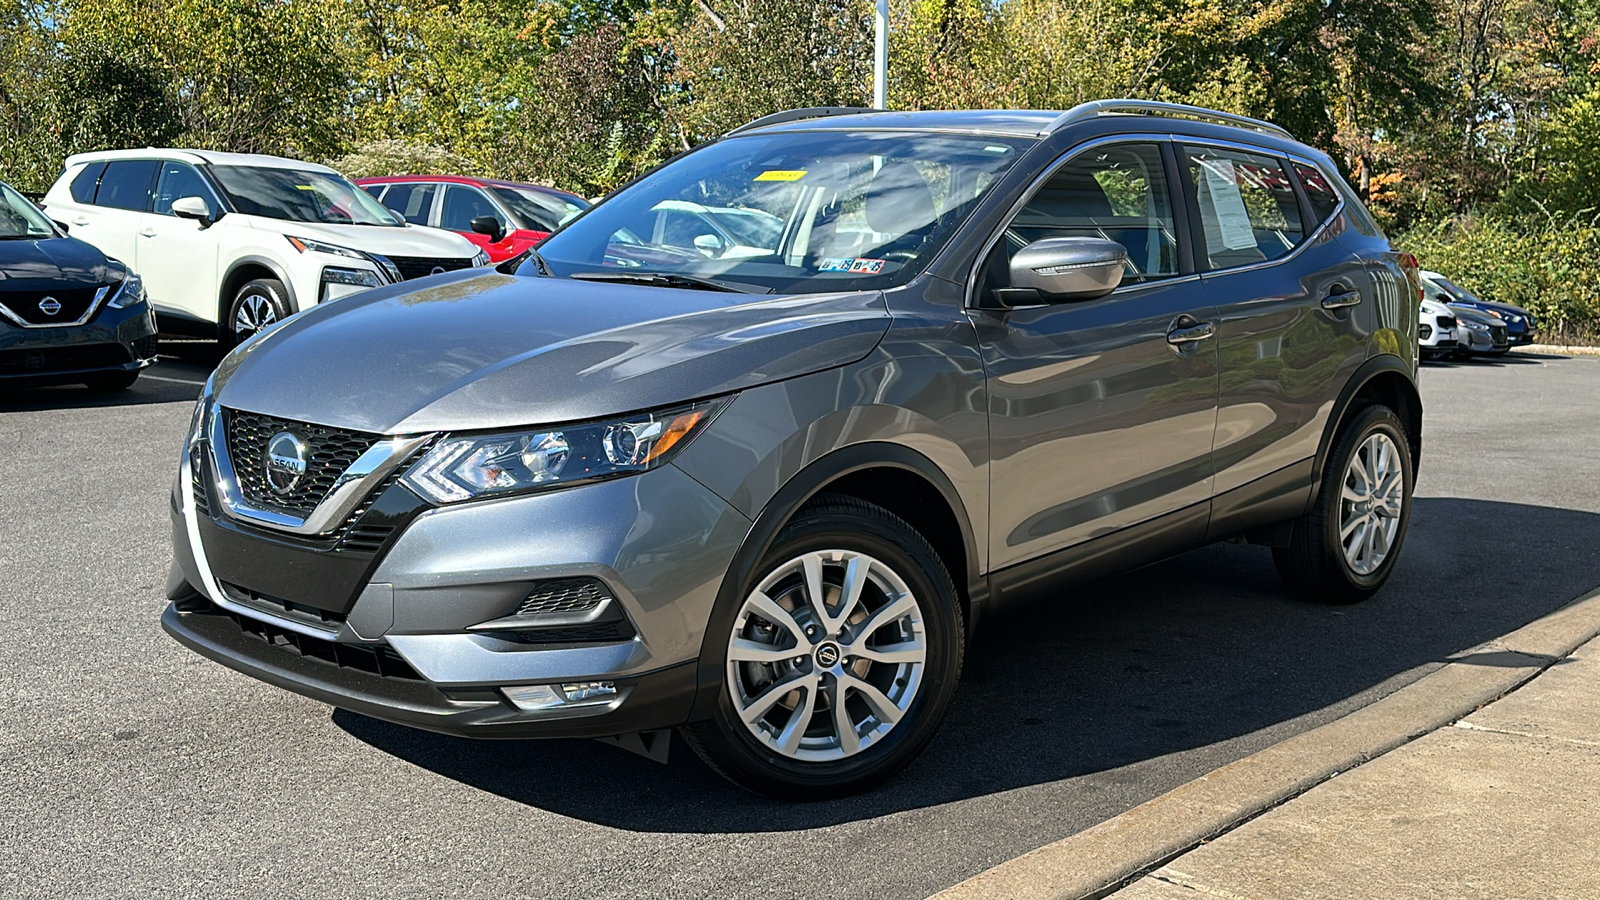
(503, 217)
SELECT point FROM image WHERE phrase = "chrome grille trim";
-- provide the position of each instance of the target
(347, 491)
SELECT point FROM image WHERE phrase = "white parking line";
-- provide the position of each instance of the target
(174, 380)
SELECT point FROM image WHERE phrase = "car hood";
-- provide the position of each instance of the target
(54, 264)
(1435, 308)
(410, 240)
(1468, 314)
(479, 349)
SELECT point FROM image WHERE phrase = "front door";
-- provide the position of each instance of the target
(1101, 412)
(178, 257)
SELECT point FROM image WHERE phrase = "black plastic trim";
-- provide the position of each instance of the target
(1377, 365)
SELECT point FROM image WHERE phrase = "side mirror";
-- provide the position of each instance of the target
(1068, 268)
(61, 225)
(489, 225)
(709, 244)
(192, 208)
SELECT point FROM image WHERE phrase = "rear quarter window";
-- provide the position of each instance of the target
(126, 184)
(85, 182)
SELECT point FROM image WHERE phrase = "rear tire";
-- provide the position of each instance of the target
(1344, 549)
(827, 699)
(258, 305)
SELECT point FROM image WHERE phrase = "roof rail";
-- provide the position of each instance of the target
(796, 115)
(1095, 108)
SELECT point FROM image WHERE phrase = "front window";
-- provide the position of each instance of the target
(791, 213)
(539, 210)
(300, 196)
(20, 219)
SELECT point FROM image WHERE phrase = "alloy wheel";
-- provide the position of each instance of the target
(826, 656)
(255, 313)
(1372, 498)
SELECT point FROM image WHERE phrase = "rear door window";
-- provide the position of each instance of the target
(1249, 212)
(414, 202)
(83, 186)
(126, 184)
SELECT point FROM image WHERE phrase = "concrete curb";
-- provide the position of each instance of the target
(1098, 860)
(1561, 348)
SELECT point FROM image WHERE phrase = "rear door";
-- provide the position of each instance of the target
(178, 257)
(111, 220)
(1102, 412)
(1291, 299)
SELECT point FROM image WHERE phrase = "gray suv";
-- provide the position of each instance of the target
(643, 479)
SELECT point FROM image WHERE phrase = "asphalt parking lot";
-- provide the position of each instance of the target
(132, 767)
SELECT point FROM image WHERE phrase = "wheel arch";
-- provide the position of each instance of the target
(1385, 379)
(245, 270)
(886, 474)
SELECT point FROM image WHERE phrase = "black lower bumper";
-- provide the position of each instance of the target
(655, 700)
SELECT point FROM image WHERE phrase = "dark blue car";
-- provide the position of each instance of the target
(68, 313)
(1520, 325)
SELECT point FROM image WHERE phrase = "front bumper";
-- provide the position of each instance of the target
(659, 541)
(114, 341)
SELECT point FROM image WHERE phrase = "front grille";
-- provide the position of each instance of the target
(1447, 321)
(379, 660)
(72, 304)
(1498, 333)
(43, 360)
(329, 452)
(564, 595)
(598, 632)
(420, 266)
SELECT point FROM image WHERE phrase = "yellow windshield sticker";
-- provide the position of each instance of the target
(782, 175)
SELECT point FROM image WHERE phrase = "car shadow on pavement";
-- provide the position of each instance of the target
(183, 369)
(1180, 655)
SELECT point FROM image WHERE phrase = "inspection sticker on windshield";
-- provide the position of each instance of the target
(867, 266)
(782, 175)
(836, 264)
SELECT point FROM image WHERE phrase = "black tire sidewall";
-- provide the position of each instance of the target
(269, 288)
(842, 523)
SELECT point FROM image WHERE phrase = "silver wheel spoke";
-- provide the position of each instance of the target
(855, 581)
(769, 609)
(882, 706)
(751, 651)
(849, 740)
(1350, 525)
(770, 697)
(799, 720)
(894, 654)
(811, 564)
(894, 609)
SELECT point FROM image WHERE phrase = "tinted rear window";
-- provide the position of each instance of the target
(83, 186)
(126, 184)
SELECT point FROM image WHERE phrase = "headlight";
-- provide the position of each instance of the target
(1474, 326)
(481, 258)
(306, 245)
(473, 466)
(129, 293)
(362, 277)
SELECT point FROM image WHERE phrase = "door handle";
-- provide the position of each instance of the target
(147, 231)
(81, 220)
(1190, 334)
(1341, 299)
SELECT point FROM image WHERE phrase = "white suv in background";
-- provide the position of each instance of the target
(242, 241)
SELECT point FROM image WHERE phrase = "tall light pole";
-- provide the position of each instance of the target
(880, 58)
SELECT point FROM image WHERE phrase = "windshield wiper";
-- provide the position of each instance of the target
(672, 280)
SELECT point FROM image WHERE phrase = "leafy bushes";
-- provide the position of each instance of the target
(1549, 266)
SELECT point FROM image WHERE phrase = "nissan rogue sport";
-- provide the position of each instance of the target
(624, 483)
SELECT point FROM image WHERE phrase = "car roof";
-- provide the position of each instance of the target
(202, 157)
(464, 179)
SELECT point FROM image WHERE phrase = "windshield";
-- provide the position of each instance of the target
(539, 210)
(298, 196)
(791, 213)
(1456, 290)
(20, 219)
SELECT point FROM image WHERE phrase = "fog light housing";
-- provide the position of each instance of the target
(571, 695)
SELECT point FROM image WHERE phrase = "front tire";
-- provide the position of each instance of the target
(1345, 548)
(839, 657)
(258, 305)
